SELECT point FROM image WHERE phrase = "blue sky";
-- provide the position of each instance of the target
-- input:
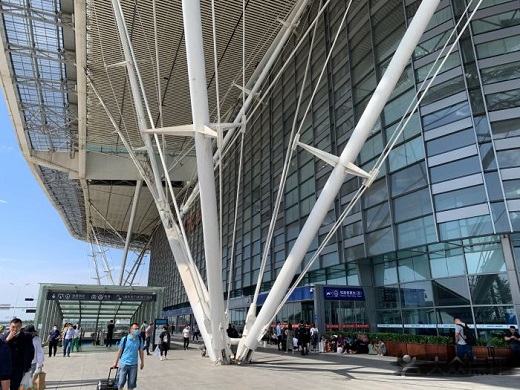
(35, 246)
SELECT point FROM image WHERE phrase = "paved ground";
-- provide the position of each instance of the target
(270, 369)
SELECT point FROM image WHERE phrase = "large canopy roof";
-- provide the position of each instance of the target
(56, 51)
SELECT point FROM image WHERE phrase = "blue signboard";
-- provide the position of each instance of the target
(343, 294)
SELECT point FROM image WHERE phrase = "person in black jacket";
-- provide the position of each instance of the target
(304, 337)
(22, 351)
(5, 366)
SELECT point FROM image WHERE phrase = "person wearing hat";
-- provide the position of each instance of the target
(37, 362)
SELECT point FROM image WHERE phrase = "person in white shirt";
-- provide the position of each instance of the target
(67, 340)
(186, 336)
(37, 362)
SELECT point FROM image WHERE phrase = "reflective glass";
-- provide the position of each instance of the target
(500, 46)
(418, 294)
(417, 321)
(451, 291)
(409, 179)
(454, 169)
(412, 205)
(416, 232)
(452, 62)
(413, 269)
(406, 154)
(387, 297)
(506, 129)
(476, 226)
(377, 193)
(447, 314)
(446, 115)
(380, 241)
(494, 315)
(512, 189)
(496, 22)
(503, 100)
(508, 158)
(449, 264)
(377, 217)
(499, 73)
(385, 273)
(490, 289)
(450, 142)
(389, 317)
(485, 259)
(443, 90)
(460, 198)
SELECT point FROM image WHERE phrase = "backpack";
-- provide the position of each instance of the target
(469, 335)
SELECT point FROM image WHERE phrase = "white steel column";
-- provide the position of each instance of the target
(204, 151)
(190, 276)
(130, 229)
(361, 132)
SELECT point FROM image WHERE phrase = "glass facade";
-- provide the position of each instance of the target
(438, 226)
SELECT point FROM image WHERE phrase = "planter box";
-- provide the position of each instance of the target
(395, 348)
(443, 353)
(480, 352)
(416, 350)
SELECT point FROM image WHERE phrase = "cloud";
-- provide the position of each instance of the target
(3, 201)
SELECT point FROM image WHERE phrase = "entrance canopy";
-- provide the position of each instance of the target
(93, 306)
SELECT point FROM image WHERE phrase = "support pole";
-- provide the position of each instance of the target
(130, 229)
(361, 132)
(204, 151)
(189, 274)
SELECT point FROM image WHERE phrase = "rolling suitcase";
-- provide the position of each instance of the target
(109, 383)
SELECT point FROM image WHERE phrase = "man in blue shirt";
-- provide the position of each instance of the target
(130, 347)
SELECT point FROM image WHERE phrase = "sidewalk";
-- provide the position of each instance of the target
(269, 369)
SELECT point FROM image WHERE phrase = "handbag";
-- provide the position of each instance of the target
(26, 383)
(39, 380)
(157, 351)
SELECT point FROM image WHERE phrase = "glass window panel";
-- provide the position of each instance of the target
(490, 289)
(372, 148)
(390, 317)
(503, 100)
(496, 22)
(512, 189)
(385, 273)
(460, 198)
(355, 252)
(444, 90)
(416, 232)
(446, 315)
(412, 205)
(454, 169)
(431, 45)
(406, 154)
(508, 158)
(395, 109)
(452, 62)
(476, 226)
(450, 142)
(420, 317)
(446, 115)
(418, 294)
(387, 297)
(377, 217)
(494, 315)
(413, 269)
(506, 129)
(450, 265)
(500, 46)
(451, 292)
(485, 259)
(501, 72)
(376, 193)
(409, 179)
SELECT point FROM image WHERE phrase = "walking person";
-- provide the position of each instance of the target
(75, 338)
(463, 348)
(148, 337)
(195, 332)
(39, 355)
(67, 340)
(186, 336)
(279, 335)
(165, 338)
(110, 334)
(130, 352)
(53, 339)
(22, 352)
(290, 334)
